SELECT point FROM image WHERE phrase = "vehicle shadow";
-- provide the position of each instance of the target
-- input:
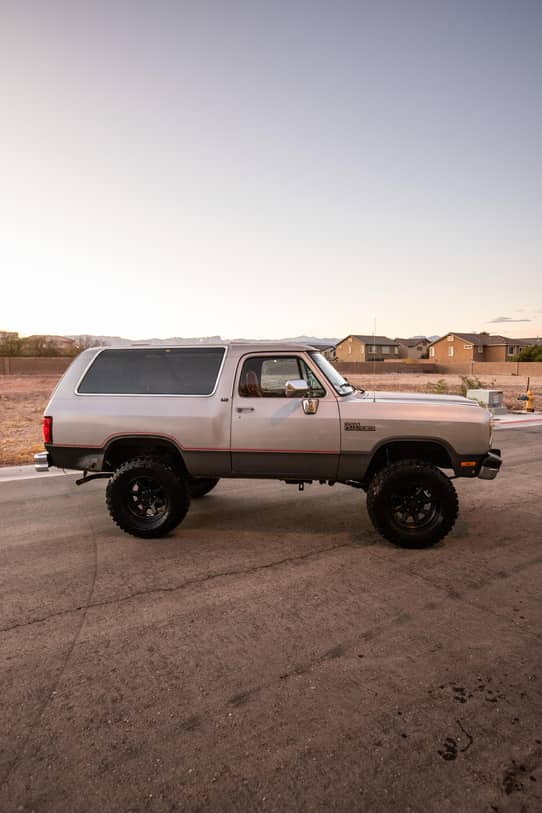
(319, 513)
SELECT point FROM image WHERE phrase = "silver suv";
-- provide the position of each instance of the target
(163, 424)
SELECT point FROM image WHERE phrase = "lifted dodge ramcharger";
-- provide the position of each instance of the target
(163, 424)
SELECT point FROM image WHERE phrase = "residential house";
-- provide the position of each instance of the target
(63, 343)
(517, 345)
(366, 348)
(466, 347)
(327, 350)
(49, 344)
(413, 348)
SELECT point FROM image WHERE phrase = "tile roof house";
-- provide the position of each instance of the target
(358, 347)
(413, 348)
(464, 347)
(327, 350)
(49, 345)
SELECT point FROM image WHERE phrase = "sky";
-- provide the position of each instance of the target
(270, 169)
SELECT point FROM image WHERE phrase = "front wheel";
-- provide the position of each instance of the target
(412, 504)
(146, 498)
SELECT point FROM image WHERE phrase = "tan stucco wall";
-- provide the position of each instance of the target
(411, 352)
(522, 368)
(460, 353)
(492, 353)
(495, 353)
(29, 365)
(357, 350)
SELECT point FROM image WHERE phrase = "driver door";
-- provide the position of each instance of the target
(271, 435)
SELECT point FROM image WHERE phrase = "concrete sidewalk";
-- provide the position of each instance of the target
(518, 420)
(8, 473)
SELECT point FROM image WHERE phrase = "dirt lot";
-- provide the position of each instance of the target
(23, 399)
(511, 385)
(22, 402)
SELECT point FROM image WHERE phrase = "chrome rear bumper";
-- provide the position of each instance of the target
(41, 461)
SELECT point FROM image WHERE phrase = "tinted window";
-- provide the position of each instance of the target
(160, 371)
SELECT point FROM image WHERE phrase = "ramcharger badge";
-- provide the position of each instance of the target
(356, 426)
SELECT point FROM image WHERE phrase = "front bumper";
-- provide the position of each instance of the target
(41, 461)
(490, 465)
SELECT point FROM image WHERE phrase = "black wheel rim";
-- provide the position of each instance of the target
(146, 498)
(414, 507)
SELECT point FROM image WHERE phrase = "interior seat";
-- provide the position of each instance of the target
(252, 385)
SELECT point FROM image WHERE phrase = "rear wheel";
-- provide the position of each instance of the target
(146, 498)
(200, 486)
(412, 504)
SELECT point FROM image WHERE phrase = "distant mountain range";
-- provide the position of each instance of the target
(119, 341)
(312, 340)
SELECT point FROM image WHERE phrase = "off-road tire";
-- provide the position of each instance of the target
(146, 498)
(412, 504)
(200, 486)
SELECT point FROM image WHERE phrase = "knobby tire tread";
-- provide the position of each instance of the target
(381, 521)
(179, 497)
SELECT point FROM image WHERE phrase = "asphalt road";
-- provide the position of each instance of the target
(273, 654)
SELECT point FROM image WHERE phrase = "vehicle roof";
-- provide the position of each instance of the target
(241, 346)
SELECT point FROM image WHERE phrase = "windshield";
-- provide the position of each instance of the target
(336, 380)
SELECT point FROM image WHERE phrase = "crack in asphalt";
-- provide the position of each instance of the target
(456, 595)
(184, 585)
(340, 650)
(41, 711)
(242, 697)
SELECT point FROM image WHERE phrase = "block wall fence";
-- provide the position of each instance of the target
(26, 365)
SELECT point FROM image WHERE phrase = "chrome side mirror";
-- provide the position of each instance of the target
(296, 388)
(310, 406)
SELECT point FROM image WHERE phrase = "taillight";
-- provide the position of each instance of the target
(47, 429)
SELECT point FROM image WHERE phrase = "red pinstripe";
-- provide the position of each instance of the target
(194, 448)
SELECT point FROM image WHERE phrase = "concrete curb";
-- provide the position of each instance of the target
(511, 421)
(10, 473)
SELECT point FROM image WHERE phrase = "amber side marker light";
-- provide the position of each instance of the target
(468, 464)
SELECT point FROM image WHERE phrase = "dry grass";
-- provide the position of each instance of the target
(22, 402)
(511, 385)
(24, 398)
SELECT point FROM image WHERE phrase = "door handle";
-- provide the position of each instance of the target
(245, 409)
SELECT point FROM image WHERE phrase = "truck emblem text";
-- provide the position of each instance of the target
(355, 426)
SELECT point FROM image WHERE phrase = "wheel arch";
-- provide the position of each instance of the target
(437, 452)
(125, 447)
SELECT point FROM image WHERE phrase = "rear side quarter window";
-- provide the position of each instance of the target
(153, 371)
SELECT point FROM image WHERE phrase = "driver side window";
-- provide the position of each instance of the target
(266, 376)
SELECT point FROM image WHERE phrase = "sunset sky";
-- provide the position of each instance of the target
(266, 169)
